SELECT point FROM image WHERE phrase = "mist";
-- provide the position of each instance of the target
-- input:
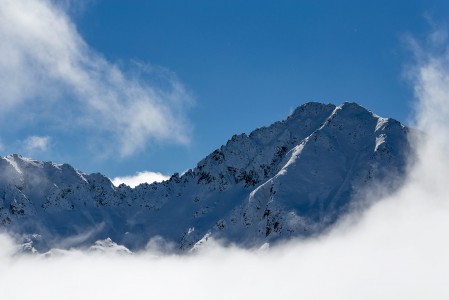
(398, 248)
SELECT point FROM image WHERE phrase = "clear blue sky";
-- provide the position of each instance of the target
(244, 64)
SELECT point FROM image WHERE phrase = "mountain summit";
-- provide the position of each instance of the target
(295, 177)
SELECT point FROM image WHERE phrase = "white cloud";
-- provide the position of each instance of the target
(430, 79)
(48, 74)
(140, 177)
(37, 143)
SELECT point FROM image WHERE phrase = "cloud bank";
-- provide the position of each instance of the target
(396, 249)
(50, 77)
(140, 177)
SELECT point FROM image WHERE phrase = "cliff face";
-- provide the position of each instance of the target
(294, 177)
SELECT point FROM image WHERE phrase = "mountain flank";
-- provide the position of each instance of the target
(293, 178)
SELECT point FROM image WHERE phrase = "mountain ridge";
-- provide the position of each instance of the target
(294, 177)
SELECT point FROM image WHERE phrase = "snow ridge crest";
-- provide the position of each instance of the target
(294, 177)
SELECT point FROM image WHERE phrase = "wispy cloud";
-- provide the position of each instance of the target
(430, 77)
(140, 177)
(37, 143)
(49, 75)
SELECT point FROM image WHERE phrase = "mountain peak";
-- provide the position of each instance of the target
(309, 108)
(354, 107)
(293, 177)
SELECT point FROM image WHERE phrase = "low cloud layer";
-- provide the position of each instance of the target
(140, 177)
(51, 78)
(396, 249)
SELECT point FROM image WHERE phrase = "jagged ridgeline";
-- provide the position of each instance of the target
(295, 177)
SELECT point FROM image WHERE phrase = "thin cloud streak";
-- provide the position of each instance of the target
(50, 75)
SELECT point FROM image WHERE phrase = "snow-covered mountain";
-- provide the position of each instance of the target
(294, 177)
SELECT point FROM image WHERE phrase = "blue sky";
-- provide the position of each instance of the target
(124, 86)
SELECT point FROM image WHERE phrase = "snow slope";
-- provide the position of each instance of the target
(294, 177)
